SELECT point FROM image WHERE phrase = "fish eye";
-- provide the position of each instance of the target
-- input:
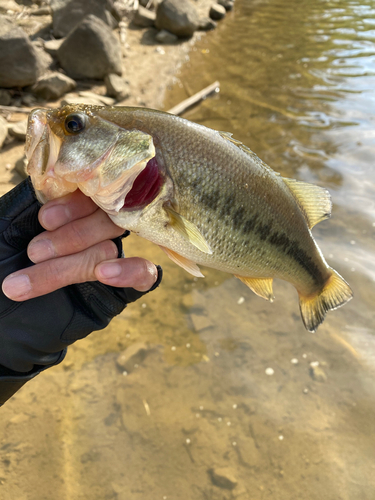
(75, 123)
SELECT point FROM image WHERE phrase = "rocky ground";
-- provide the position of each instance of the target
(62, 51)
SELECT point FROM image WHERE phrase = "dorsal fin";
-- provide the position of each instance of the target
(314, 201)
(228, 136)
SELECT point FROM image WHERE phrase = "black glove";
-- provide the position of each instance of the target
(34, 334)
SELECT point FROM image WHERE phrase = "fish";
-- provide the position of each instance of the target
(204, 197)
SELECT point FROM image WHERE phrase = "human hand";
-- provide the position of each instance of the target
(76, 247)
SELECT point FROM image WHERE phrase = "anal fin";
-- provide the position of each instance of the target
(189, 266)
(260, 286)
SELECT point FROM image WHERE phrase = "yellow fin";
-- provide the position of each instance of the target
(336, 292)
(188, 230)
(314, 201)
(189, 266)
(260, 286)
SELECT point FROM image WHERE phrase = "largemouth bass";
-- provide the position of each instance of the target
(204, 197)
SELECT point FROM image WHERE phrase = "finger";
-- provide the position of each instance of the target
(73, 237)
(62, 210)
(132, 272)
(53, 274)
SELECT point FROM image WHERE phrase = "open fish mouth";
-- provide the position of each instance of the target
(120, 174)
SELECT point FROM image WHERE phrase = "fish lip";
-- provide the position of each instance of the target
(37, 122)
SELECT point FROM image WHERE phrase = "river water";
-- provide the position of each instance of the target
(234, 399)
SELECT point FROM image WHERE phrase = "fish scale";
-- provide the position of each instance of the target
(211, 202)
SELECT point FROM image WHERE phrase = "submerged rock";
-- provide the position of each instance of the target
(206, 24)
(91, 50)
(227, 4)
(223, 477)
(53, 86)
(132, 356)
(20, 63)
(178, 17)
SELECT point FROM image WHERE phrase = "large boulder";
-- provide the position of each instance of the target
(178, 17)
(91, 50)
(20, 63)
(66, 14)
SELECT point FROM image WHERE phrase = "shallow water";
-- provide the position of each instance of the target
(297, 86)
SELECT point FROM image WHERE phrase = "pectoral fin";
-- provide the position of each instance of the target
(260, 286)
(189, 266)
(188, 230)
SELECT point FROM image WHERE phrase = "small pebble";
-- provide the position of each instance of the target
(188, 441)
(220, 419)
(294, 361)
(314, 363)
(281, 437)
(352, 242)
(305, 391)
(270, 371)
(124, 373)
(173, 348)
(144, 305)
(234, 406)
(198, 415)
(241, 300)
(217, 354)
(304, 356)
(188, 345)
(201, 408)
(229, 424)
(234, 443)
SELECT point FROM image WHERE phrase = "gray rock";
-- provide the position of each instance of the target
(18, 129)
(3, 130)
(227, 4)
(6, 5)
(42, 11)
(217, 12)
(206, 24)
(5, 97)
(52, 46)
(21, 167)
(86, 97)
(223, 477)
(178, 17)
(20, 63)
(53, 86)
(91, 50)
(45, 61)
(132, 356)
(67, 14)
(148, 3)
(144, 18)
(165, 36)
(117, 87)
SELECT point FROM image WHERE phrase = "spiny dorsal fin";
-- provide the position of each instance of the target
(314, 201)
(228, 136)
(188, 230)
(260, 286)
(189, 266)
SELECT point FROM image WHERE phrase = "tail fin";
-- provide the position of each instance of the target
(336, 292)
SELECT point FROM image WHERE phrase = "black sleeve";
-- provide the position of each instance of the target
(34, 334)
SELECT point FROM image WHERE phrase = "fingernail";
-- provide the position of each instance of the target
(109, 270)
(14, 287)
(41, 250)
(54, 217)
